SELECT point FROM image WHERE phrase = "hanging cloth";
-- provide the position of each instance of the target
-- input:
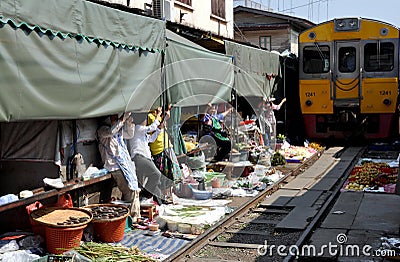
(125, 163)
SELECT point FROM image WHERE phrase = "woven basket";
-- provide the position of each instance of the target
(112, 231)
(61, 239)
(61, 216)
(109, 230)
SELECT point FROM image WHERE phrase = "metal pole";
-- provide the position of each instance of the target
(284, 90)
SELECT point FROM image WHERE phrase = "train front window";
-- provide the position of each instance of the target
(347, 59)
(378, 57)
(316, 59)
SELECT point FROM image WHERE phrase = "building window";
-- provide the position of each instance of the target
(265, 42)
(218, 8)
(186, 2)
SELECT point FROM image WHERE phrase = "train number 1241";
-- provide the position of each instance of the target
(310, 94)
(385, 92)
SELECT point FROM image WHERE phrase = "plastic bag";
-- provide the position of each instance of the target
(32, 207)
(19, 255)
(36, 227)
(31, 242)
(8, 199)
(65, 201)
(7, 246)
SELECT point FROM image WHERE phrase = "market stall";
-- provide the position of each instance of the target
(373, 175)
(61, 81)
(58, 107)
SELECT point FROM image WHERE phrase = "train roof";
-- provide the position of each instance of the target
(353, 17)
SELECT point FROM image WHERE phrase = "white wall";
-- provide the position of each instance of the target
(132, 3)
(196, 16)
(294, 42)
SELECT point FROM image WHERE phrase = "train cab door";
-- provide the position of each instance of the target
(346, 77)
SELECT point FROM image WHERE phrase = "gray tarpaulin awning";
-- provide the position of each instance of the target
(86, 19)
(255, 69)
(76, 59)
(194, 75)
(177, 38)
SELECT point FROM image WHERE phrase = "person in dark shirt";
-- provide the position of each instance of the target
(212, 126)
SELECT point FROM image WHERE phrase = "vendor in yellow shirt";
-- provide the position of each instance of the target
(163, 153)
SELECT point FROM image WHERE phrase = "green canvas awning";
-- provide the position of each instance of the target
(88, 20)
(196, 76)
(179, 39)
(193, 75)
(78, 60)
(255, 69)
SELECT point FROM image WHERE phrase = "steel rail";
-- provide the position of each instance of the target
(215, 230)
(322, 212)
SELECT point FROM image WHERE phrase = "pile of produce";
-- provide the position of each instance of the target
(107, 212)
(74, 221)
(190, 146)
(278, 159)
(370, 175)
(297, 152)
(108, 252)
(189, 211)
(62, 217)
(280, 138)
(315, 146)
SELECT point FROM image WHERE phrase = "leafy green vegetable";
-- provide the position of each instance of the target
(106, 252)
(278, 159)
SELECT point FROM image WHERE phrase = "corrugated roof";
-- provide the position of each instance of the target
(303, 23)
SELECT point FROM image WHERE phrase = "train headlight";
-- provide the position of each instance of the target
(341, 24)
(347, 24)
(387, 101)
(308, 102)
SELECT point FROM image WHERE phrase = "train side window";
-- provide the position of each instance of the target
(378, 57)
(347, 59)
(316, 59)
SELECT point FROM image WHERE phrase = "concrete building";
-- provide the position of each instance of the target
(215, 17)
(268, 30)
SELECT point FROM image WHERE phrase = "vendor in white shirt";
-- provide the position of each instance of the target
(116, 158)
(147, 172)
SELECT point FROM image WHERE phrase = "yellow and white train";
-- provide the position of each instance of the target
(348, 78)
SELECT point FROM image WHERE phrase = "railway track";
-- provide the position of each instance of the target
(283, 214)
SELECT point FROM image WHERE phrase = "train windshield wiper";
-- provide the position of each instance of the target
(319, 51)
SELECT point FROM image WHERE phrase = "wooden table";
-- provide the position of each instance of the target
(41, 193)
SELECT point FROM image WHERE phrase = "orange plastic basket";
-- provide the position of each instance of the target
(61, 239)
(37, 228)
(111, 231)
